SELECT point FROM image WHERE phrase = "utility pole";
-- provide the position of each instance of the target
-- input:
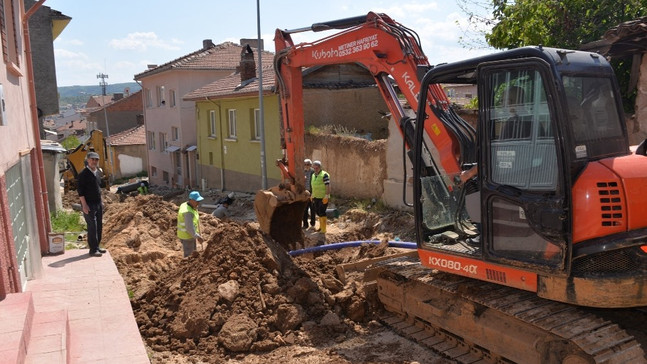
(103, 85)
(260, 97)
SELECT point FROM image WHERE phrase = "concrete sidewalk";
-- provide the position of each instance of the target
(90, 295)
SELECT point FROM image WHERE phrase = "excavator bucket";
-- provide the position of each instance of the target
(279, 212)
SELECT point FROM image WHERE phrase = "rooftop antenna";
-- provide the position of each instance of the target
(103, 82)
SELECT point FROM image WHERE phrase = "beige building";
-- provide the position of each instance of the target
(128, 152)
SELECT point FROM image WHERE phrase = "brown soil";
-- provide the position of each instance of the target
(241, 298)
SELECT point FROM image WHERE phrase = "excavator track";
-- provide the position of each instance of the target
(471, 321)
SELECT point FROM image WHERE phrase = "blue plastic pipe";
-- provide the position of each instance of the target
(348, 244)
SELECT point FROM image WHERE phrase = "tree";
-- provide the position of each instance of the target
(70, 142)
(559, 23)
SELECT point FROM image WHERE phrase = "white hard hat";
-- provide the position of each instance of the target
(307, 161)
(317, 163)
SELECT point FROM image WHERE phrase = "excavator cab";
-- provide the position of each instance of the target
(553, 190)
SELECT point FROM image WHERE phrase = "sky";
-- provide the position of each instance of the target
(121, 38)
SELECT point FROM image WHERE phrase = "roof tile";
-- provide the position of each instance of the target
(232, 86)
(224, 56)
(133, 136)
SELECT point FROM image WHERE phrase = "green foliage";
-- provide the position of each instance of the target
(370, 205)
(332, 129)
(70, 142)
(564, 24)
(79, 95)
(558, 23)
(473, 104)
(65, 221)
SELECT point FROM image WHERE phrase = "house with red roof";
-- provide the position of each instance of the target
(170, 120)
(128, 152)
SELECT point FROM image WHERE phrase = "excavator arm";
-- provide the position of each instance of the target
(393, 55)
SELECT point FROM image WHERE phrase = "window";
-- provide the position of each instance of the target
(171, 98)
(593, 116)
(211, 158)
(163, 143)
(151, 140)
(165, 176)
(160, 96)
(153, 171)
(8, 32)
(522, 152)
(212, 123)
(175, 133)
(232, 123)
(256, 127)
(149, 98)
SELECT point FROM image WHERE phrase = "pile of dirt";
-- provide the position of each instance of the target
(242, 293)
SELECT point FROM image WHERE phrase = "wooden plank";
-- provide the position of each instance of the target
(363, 264)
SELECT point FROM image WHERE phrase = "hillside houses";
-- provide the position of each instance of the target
(171, 128)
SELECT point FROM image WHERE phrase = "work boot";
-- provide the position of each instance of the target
(322, 224)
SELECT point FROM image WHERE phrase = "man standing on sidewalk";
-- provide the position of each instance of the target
(89, 189)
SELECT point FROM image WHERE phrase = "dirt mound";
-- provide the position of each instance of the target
(242, 294)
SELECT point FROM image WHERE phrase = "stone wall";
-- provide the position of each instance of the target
(357, 167)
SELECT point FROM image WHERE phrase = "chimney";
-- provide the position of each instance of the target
(117, 96)
(247, 66)
(252, 43)
(207, 43)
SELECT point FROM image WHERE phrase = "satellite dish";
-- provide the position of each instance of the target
(127, 91)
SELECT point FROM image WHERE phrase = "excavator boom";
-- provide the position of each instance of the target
(392, 54)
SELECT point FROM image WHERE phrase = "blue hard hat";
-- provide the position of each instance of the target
(195, 195)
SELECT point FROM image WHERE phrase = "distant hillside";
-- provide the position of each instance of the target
(80, 94)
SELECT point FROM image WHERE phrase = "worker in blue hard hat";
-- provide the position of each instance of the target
(188, 223)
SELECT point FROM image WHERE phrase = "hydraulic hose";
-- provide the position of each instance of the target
(348, 244)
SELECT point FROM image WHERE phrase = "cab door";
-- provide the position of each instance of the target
(521, 170)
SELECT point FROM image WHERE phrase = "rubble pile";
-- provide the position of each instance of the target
(241, 293)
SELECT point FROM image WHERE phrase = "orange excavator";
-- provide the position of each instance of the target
(525, 224)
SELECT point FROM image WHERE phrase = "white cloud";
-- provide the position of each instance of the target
(64, 41)
(143, 41)
(66, 54)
